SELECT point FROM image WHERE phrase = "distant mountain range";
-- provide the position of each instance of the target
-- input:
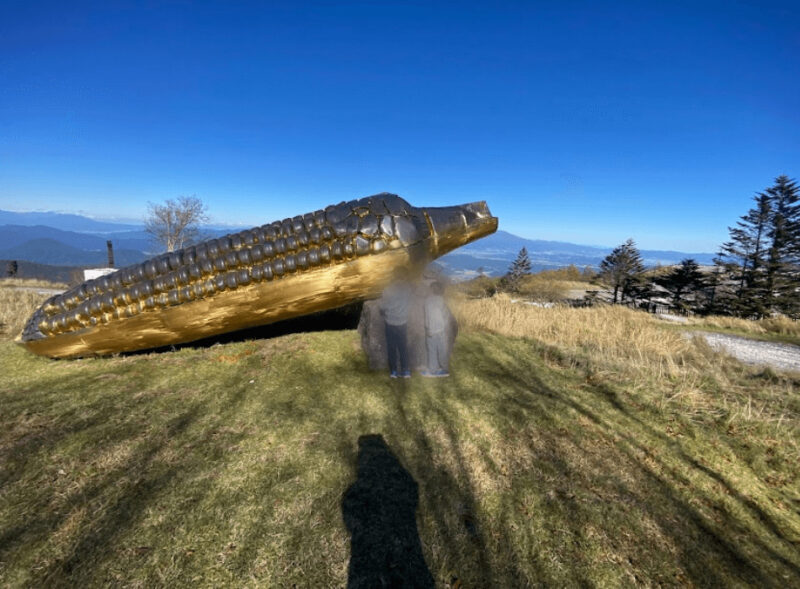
(65, 222)
(73, 240)
(494, 253)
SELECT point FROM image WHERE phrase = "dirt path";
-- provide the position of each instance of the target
(755, 352)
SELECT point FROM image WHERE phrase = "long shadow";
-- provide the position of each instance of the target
(746, 502)
(608, 393)
(379, 510)
(449, 495)
(527, 393)
(508, 571)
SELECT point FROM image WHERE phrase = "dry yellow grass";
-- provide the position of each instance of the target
(540, 288)
(633, 349)
(771, 325)
(545, 286)
(612, 332)
(30, 283)
(16, 305)
(18, 300)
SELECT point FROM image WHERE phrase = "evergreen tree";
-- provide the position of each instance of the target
(714, 303)
(683, 280)
(743, 259)
(637, 287)
(519, 268)
(782, 268)
(622, 269)
(763, 255)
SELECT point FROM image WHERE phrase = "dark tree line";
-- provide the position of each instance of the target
(757, 271)
(685, 281)
(684, 286)
(760, 263)
(625, 274)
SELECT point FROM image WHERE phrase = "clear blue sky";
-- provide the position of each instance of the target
(585, 122)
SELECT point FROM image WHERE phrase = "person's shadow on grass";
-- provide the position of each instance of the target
(379, 512)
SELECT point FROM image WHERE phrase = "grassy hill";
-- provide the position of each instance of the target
(569, 447)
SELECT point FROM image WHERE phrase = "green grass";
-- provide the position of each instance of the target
(536, 466)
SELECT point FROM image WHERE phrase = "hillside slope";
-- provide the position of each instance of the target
(32, 270)
(553, 461)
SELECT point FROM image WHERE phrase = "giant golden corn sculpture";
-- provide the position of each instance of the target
(314, 262)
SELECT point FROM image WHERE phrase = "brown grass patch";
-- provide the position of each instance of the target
(16, 306)
(606, 331)
(31, 283)
(770, 325)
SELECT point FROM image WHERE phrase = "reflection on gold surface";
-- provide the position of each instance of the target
(281, 270)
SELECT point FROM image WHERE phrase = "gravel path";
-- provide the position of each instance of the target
(673, 318)
(749, 351)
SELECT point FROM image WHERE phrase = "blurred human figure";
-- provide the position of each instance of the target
(394, 304)
(437, 318)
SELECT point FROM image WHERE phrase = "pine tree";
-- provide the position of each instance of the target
(782, 268)
(683, 280)
(623, 269)
(519, 268)
(763, 255)
(743, 258)
(715, 303)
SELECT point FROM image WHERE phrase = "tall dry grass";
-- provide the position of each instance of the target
(770, 325)
(659, 365)
(30, 283)
(541, 288)
(16, 306)
(609, 331)
(18, 300)
(546, 286)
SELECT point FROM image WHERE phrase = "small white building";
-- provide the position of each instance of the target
(92, 273)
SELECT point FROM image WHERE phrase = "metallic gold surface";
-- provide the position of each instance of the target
(281, 270)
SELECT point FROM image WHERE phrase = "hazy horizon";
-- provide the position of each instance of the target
(234, 227)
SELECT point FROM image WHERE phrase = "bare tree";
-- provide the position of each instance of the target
(175, 224)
